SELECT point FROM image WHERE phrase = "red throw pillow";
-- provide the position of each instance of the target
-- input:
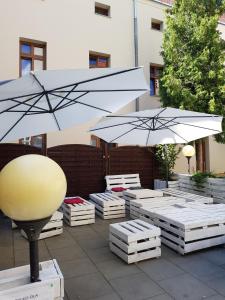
(118, 189)
(75, 200)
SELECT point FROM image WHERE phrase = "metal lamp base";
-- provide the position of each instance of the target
(33, 230)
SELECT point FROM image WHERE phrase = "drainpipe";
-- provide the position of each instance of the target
(135, 44)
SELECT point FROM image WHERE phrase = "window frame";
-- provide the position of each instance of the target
(33, 44)
(99, 55)
(157, 22)
(154, 76)
(102, 6)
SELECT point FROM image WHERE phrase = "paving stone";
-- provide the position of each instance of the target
(186, 287)
(196, 265)
(117, 268)
(217, 297)
(100, 254)
(215, 255)
(161, 297)
(159, 269)
(77, 267)
(87, 287)
(218, 284)
(22, 256)
(67, 253)
(92, 243)
(60, 241)
(108, 297)
(82, 232)
(136, 287)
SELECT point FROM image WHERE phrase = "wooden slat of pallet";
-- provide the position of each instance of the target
(106, 199)
(134, 230)
(125, 181)
(142, 194)
(153, 253)
(135, 246)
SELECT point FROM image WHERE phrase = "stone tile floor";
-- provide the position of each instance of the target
(92, 272)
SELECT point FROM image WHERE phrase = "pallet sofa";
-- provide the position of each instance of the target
(116, 184)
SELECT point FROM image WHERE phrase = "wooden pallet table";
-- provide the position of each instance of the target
(79, 214)
(135, 240)
(188, 227)
(52, 228)
(15, 283)
(142, 194)
(108, 206)
(186, 195)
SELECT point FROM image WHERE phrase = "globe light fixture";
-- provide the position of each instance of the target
(188, 151)
(32, 188)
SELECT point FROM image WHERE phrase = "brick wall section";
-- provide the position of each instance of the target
(170, 2)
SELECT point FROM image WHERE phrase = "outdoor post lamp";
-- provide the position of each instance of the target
(188, 151)
(32, 188)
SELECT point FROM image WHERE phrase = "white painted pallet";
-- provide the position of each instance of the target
(52, 228)
(153, 203)
(142, 194)
(108, 206)
(186, 195)
(15, 283)
(123, 180)
(79, 214)
(135, 240)
(189, 226)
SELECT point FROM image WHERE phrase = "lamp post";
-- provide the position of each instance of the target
(32, 187)
(188, 151)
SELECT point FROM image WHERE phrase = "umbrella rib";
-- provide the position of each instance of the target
(74, 101)
(97, 78)
(20, 103)
(164, 124)
(127, 132)
(174, 132)
(19, 119)
(114, 125)
(192, 125)
(65, 97)
(48, 100)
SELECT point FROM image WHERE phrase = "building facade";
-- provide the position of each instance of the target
(55, 34)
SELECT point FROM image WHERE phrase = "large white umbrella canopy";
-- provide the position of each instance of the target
(157, 126)
(46, 101)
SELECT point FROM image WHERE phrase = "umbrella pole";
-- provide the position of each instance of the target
(167, 167)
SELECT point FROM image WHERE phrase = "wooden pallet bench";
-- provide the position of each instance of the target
(108, 206)
(122, 181)
(188, 227)
(142, 194)
(52, 228)
(135, 240)
(14, 283)
(79, 214)
(186, 195)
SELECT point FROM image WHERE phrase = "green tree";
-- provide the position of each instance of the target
(194, 57)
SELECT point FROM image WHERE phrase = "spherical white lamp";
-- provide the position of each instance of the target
(188, 151)
(32, 187)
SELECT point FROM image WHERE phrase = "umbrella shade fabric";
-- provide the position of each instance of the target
(47, 101)
(157, 126)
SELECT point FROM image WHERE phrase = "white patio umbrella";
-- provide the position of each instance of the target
(157, 126)
(46, 101)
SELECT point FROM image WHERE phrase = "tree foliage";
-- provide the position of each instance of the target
(194, 58)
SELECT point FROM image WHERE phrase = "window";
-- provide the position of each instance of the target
(95, 141)
(99, 60)
(32, 58)
(157, 25)
(102, 9)
(155, 72)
